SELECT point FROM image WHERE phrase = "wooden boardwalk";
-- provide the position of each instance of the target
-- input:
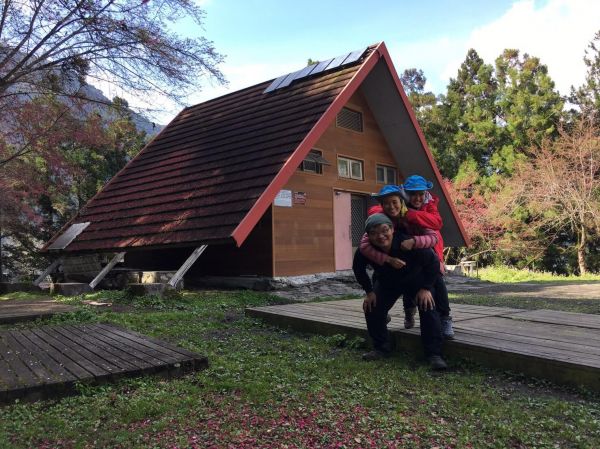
(15, 310)
(50, 360)
(559, 346)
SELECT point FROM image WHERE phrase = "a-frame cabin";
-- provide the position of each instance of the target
(272, 180)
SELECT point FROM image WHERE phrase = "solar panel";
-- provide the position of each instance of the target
(288, 80)
(354, 56)
(321, 66)
(275, 84)
(337, 62)
(306, 71)
(333, 63)
(69, 235)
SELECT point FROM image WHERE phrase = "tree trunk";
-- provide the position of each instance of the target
(581, 251)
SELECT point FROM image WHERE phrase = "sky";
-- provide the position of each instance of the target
(263, 39)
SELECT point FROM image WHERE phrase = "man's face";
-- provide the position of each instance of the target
(416, 198)
(392, 206)
(381, 235)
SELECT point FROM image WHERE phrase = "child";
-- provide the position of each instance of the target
(423, 213)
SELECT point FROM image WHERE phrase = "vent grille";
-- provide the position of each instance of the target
(349, 119)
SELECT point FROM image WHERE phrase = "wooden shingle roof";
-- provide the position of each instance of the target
(209, 175)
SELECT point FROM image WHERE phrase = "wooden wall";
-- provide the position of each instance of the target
(303, 234)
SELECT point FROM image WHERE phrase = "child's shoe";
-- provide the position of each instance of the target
(409, 317)
(447, 331)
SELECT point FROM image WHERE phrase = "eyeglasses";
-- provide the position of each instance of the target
(381, 230)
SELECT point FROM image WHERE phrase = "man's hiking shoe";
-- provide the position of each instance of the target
(409, 318)
(437, 363)
(388, 318)
(375, 354)
(447, 331)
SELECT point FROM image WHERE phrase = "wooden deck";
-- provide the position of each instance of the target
(559, 346)
(15, 310)
(50, 360)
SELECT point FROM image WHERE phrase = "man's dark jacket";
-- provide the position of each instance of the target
(421, 270)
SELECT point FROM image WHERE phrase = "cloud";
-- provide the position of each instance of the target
(431, 56)
(557, 32)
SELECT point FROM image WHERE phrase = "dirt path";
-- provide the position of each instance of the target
(345, 286)
(560, 290)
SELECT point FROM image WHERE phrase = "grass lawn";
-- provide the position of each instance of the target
(272, 388)
(508, 274)
(591, 306)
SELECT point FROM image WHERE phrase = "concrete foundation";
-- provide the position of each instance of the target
(157, 288)
(69, 288)
(268, 283)
(9, 287)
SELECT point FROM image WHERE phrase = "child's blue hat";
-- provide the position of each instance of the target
(416, 182)
(387, 191)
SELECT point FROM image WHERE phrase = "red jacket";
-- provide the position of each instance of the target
(428, 217)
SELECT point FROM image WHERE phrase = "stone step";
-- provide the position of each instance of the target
(155, 277)
(69, 288)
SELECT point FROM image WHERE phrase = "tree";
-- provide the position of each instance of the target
(52, 129)
(587, 96)
(466, 122)
(529, 107)
(413, 81)
(475, 206)
(53, 46)
(40, 194)
(559, 187)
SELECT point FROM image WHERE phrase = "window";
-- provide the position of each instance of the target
(385, 174)
(350, 168)
(349, 119)
(313, 162)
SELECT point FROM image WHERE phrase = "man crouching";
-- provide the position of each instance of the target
(416, 277)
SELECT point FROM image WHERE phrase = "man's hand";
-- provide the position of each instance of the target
(425, 300)
(369, 302)
(396, 263)
(407, 245)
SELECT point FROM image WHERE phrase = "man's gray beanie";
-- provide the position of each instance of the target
(376, 220)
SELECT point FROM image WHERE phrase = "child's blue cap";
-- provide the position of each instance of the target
(416, 182)
(387, 191)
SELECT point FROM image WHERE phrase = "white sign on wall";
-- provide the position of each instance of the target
(283, 198)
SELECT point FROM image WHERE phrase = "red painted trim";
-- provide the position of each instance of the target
(247, 224)
(386, 56)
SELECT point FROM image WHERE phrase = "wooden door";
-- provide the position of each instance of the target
(342, 230)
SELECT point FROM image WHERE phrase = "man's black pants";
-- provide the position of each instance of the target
(442, 303)
(431, 332)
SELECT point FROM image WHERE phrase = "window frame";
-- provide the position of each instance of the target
(386, 167)
(349, 161)
(318, 166)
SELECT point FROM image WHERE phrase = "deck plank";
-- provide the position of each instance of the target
(17, 310)
(50, 360)
(563, 347)
(562, 318)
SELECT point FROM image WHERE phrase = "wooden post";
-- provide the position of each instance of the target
(187, 265)
(47, 271)
(105, 270)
